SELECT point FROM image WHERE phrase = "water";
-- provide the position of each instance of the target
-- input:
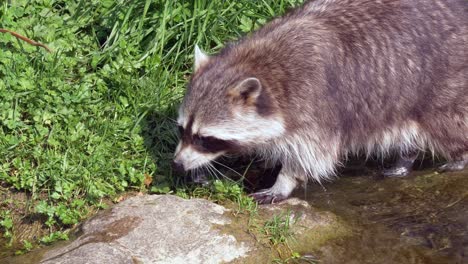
(422, 218)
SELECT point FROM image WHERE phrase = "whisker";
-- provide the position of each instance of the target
(210, 171)
(217, 172)
(242, 176)
(227, 167)
(194, 174)
(213, 172)
(223, 175)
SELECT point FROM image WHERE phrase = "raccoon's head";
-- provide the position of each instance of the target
(227, 108)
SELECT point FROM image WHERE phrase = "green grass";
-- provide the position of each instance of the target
(278, 228)
(279, 234)
(94, 117)
(7, 224)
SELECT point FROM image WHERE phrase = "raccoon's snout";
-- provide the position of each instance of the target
(187, 158)
(178, 167)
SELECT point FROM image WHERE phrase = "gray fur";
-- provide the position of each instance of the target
(342, 77)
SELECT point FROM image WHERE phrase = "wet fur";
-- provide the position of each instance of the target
(344, 77)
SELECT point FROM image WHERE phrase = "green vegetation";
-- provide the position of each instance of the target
(94, 117)
(278, 228)
(223, 191)
(277, 231)
(27, 246)
(6, 223)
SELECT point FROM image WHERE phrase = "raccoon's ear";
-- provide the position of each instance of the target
(247, 91)
(200, 58)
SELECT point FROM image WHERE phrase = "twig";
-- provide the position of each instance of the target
(30, 41)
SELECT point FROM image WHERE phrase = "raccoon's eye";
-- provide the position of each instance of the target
(211, 144)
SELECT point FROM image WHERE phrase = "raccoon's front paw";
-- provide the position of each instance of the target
(267, 196)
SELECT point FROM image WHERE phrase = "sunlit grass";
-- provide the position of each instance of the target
(95, 116)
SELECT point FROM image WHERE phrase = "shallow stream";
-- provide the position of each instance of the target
(421, 218)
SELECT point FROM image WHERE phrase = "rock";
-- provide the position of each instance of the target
(154, 229)
(310, 228)
(169, 229)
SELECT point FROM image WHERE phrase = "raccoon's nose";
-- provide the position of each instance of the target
(178, 167)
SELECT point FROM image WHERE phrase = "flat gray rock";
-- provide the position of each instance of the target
(154, 229)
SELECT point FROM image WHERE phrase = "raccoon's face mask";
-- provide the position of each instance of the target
(197, 150)
(203, 139)
(229, 118)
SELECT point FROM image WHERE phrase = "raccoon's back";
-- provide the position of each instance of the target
(367, 64)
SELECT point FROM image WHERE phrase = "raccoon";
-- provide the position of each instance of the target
(330, 79)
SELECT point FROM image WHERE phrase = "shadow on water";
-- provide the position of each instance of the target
(421, 218)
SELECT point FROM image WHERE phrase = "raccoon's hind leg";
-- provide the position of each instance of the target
(455, 165)
(402, 166)
(283, 187)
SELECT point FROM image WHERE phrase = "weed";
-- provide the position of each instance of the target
(296, 258)
(277, 231)
(278, 228)
(54, 236)
(6, 223)
(222, 192)
(27, 246)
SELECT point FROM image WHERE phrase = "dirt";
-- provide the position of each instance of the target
(27, 225)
